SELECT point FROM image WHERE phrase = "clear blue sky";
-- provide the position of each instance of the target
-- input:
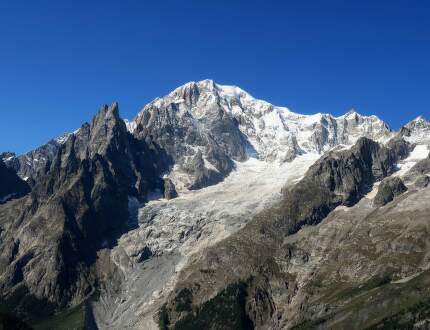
(60, 60)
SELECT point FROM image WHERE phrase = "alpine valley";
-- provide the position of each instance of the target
(215, 210)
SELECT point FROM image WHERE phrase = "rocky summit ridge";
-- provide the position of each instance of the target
(213, 209)
(205, 127)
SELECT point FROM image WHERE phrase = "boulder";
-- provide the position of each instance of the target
(388, 189)
(169, 189)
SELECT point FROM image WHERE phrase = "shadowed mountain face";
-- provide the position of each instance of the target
(49, 238)
(110, 227)
(12, 186)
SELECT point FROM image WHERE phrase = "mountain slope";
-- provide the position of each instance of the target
(256, 260)
(200, 202)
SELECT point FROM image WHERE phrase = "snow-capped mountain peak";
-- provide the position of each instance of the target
(274, 133)
(419, 121)
(417, 131)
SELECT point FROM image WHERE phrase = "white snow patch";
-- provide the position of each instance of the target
(63, 138)
(131, 125)
(342, 208)
(373, 192)
(420, 152)
(209, 165)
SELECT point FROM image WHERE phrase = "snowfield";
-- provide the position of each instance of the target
(420, 152)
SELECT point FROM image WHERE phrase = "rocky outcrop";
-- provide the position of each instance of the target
(422, 181)
(169, 189)
(388, 190)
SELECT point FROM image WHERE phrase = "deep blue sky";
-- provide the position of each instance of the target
(60, 60)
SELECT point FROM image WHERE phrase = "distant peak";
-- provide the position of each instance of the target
(108, 112)
(209, 85)
(418, 119)
(206, 83)
(352, 113)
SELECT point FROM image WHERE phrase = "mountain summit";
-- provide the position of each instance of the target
(274, 133)
(221, 124)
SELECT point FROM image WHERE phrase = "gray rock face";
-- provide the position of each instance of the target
(388, 189)
(204, 148)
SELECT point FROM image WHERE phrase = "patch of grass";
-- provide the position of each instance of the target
(76, 318)
(384, 304)
(349, 291)
(183, 300)
(376, 304)
(406, 318)
(26, 306)
(43, 315)
(73, 318)
(163, 318)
